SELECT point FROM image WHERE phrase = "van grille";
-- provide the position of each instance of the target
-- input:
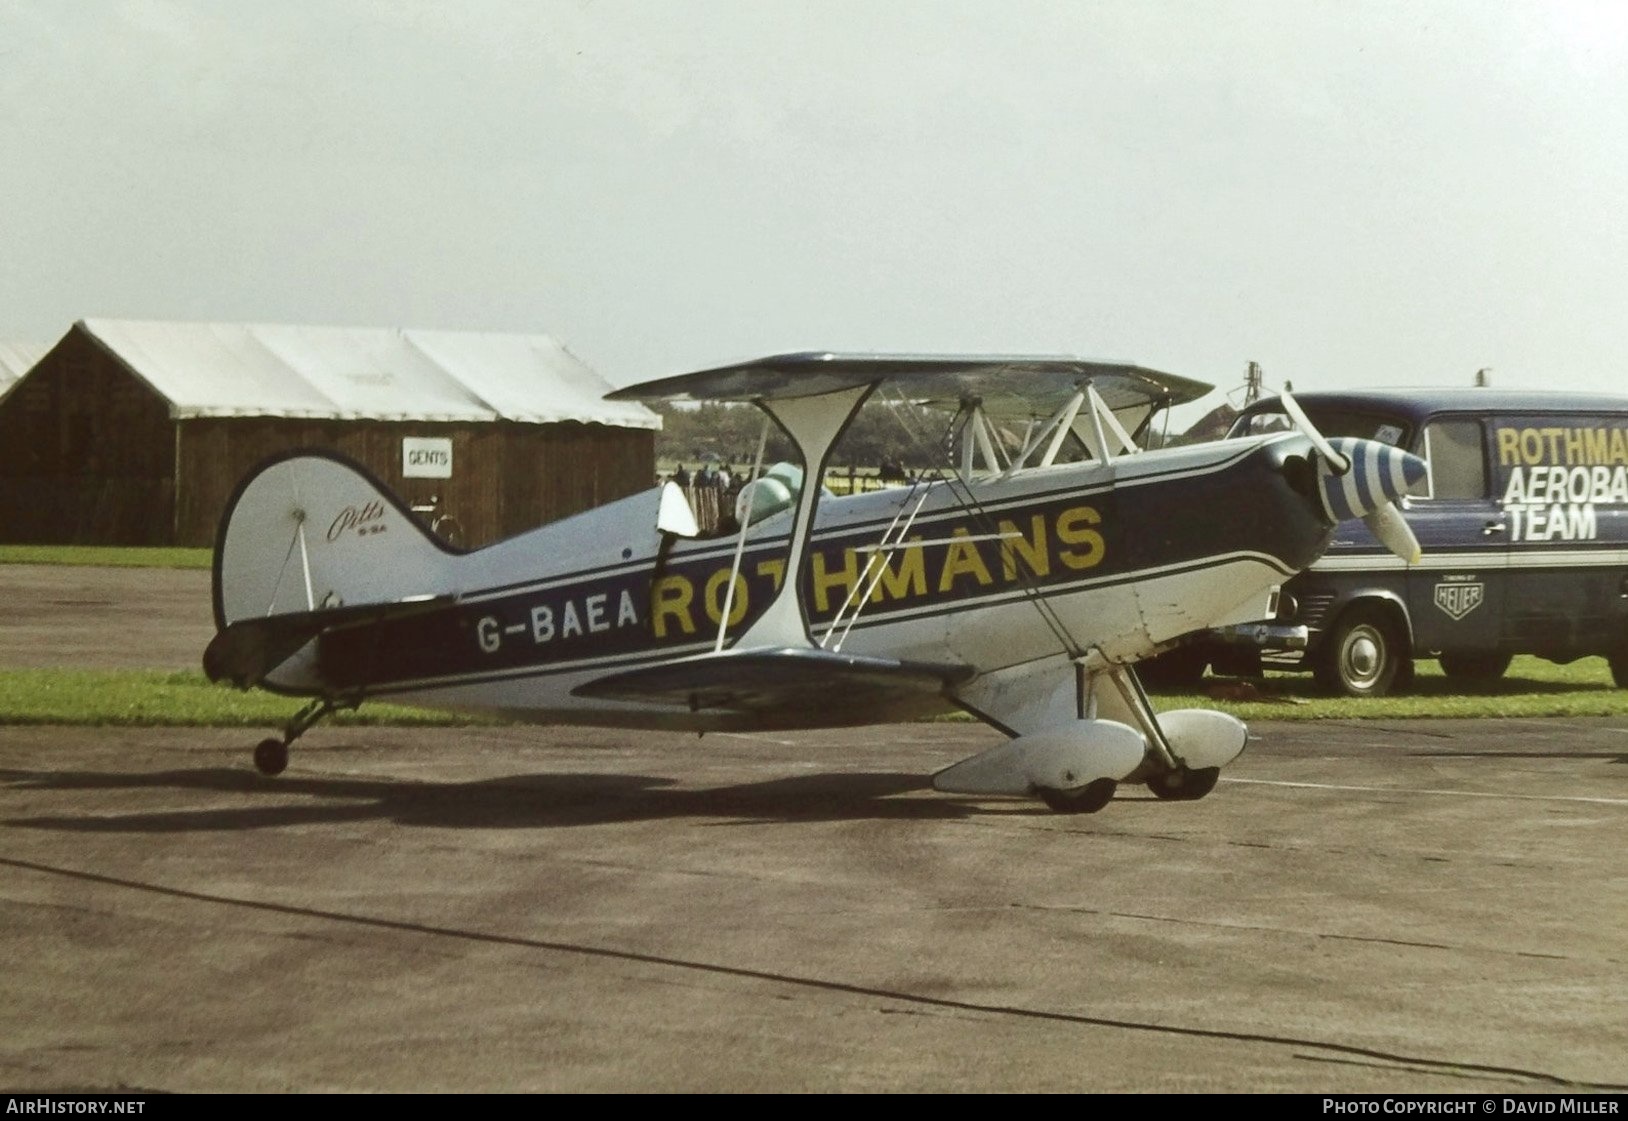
(1314, 609)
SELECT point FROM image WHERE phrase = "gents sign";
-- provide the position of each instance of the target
(426, 457)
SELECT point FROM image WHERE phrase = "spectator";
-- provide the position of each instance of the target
(681, 476)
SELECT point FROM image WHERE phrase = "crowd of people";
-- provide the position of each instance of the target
(713, 489)
(725, 479)
(710, 476)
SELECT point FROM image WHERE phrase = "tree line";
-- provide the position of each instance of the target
(728, 434)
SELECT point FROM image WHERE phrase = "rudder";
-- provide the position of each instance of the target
(313, 530)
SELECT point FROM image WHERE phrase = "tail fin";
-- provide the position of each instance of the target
(313, 531)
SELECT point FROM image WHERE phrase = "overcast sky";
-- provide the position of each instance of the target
(1350, 193)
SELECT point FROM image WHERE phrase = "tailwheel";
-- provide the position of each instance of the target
(1183, 785)
(1087, 799)
(271, 757)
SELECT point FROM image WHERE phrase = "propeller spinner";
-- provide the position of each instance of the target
(1363, 479)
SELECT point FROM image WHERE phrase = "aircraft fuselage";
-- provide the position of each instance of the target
(1128, 555)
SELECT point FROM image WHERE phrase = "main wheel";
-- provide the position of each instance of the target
(1474, 666)
(271, 757)
(1088, 799)
(1363, 655)
(1184, 785)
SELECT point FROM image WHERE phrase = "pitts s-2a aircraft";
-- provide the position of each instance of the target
(1020, 585)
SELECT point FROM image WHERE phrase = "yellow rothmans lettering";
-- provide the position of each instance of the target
(673, 595)
(845, 578)
(1033, 544)
(905, 574)
(774, 569)
(1073, 528)
(1509, 446)
(961, 559)
(1036, 556)
(715, 597)
(1562, 447)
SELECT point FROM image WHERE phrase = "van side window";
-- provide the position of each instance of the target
(1458, 463)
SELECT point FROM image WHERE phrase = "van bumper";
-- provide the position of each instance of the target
(1266, 636)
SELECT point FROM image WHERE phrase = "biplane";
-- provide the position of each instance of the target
(1021, 584)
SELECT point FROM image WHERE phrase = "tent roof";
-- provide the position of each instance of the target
(361, 373)
(16, 359)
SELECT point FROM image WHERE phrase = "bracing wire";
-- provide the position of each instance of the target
(986, 522)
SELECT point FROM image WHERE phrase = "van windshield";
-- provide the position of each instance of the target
(1330, 422)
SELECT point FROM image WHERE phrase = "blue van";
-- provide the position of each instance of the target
(1523, 522)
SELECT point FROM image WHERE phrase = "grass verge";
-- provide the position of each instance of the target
(149, 698)
(1531, 688)
(107, 556)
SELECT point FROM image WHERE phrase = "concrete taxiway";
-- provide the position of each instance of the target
(1361, 907)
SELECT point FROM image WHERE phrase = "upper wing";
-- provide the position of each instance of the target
(778, 679)
(1019, 384)
(244, 652)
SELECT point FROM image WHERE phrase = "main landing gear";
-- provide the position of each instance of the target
(271, 755)
(1088, 799)
(1166, 771)
(1184, 785)
(1164, 767)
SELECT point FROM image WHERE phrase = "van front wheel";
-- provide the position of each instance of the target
(1362, 656)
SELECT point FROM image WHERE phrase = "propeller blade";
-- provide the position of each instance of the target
(1375, 474)
(1339, 463)
(1393, 531)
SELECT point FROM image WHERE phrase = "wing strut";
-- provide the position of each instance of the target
(814, 424)
(1103, 426)
(740, 544)
(881, 556)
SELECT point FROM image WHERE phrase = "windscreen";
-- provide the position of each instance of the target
(1330, 422)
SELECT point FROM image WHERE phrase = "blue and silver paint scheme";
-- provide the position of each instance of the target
(1126, 554)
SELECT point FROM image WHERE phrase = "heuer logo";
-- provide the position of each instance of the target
(1458, 600)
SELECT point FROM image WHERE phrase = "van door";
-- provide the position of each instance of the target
(1562, 480)
(1456, 594)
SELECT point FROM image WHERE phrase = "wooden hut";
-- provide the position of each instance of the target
(136, 432)
(16, 359)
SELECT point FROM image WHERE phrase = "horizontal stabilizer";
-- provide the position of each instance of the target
(777, 678)
(246, 651)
